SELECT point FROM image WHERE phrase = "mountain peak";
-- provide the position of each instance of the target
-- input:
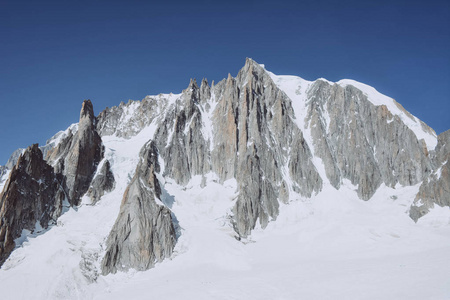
(252, 64)
(193, 84)
(87, 109)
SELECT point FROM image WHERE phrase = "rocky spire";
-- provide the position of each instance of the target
(256, 134)
(32, 195)
(143, 233)
(87, 113)
(205, 90)
(103, 182)
(83, 155)
(253, 129)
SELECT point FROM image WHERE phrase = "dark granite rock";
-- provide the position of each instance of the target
(32, 195)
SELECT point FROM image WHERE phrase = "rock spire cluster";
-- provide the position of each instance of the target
(279, 137)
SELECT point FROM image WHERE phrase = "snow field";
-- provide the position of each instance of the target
(332, 246)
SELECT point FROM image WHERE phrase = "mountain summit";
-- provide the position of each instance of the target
(158, 179)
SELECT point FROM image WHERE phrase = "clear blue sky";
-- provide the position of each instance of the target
(54, 54)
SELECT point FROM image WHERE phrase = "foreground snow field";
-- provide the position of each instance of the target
(332, 246)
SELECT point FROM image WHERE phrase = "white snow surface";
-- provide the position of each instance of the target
(331, 246)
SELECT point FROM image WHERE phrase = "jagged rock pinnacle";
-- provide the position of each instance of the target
(84, 154)
(87, 110)
(33, 194)
(143, 233)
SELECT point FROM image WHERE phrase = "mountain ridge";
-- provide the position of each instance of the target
(279, 139)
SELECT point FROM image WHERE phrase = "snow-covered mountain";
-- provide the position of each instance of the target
(258, 187)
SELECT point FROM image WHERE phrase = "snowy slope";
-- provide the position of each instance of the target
(332, 246)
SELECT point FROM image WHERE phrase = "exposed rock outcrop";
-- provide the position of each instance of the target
(128, 119)
(76, 153)
(246, 128)
(143, 233)
(362, 142)
(82, 153)
(180, 139)
(102, 183)
(240, 128)
(436, 188)
(55, 154)
(32, 196)
(267, 140)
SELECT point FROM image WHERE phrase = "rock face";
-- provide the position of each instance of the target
(362, 142)
(57, 148)
(80, 154)
(126, 120)
(436, 188)
(265, 141)
(32, 196)
(247, 128)
(102, 183)
(85, 153)
(240, 128)
(181, 132)
(143, 233)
